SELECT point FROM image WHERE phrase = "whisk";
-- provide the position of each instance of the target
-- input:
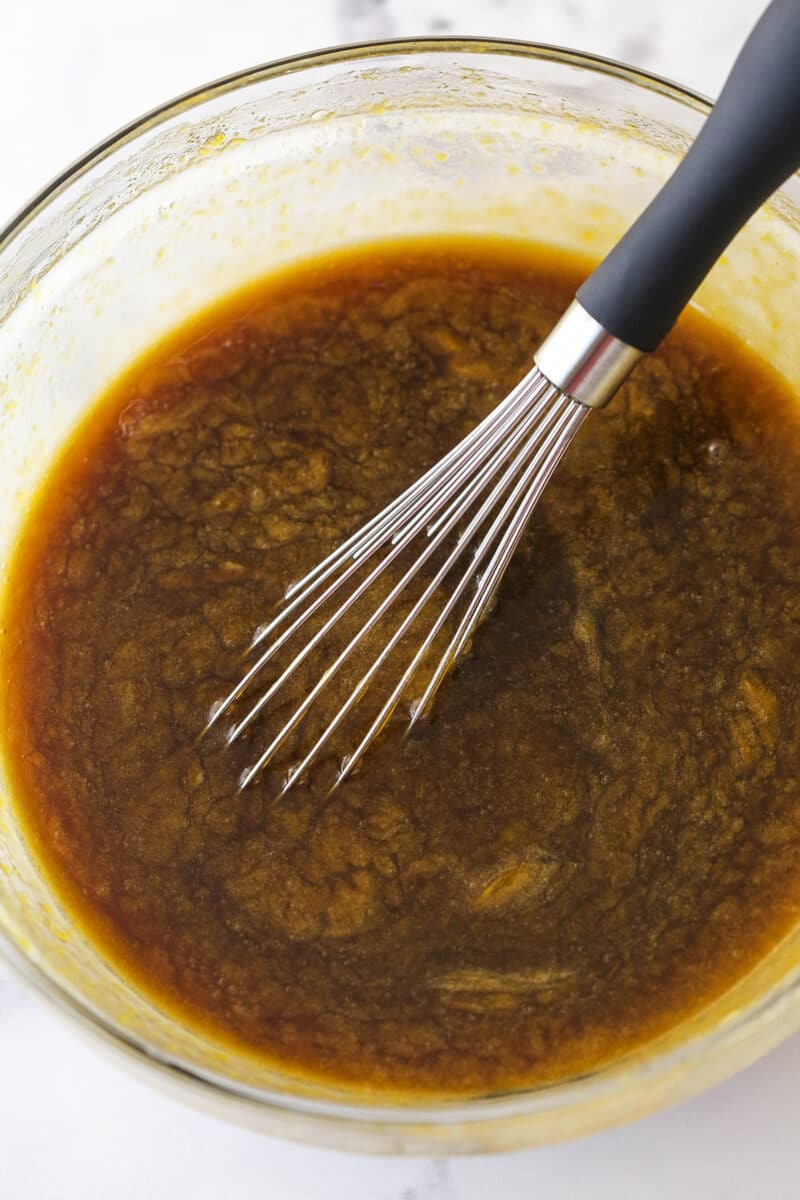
(461, 522)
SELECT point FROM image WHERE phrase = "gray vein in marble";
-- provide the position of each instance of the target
(640, 45)
(365, 20)
(437, 1183)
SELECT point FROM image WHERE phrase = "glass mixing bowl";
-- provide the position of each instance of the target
(247, 175)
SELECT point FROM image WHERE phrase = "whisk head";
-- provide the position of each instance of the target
(459, 525)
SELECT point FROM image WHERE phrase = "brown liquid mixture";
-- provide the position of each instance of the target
(598, 832)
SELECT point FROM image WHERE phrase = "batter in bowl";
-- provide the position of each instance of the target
(598, 832)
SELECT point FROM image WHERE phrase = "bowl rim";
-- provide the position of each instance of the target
(346, 52)
(501, 1121)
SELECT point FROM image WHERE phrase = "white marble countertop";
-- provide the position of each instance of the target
(71, 1125)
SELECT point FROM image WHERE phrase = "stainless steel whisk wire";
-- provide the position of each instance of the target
(748, 146)
(515, 449)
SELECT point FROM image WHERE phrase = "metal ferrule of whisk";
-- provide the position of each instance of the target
(583, 360)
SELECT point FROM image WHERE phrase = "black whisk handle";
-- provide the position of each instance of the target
(748, 146)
